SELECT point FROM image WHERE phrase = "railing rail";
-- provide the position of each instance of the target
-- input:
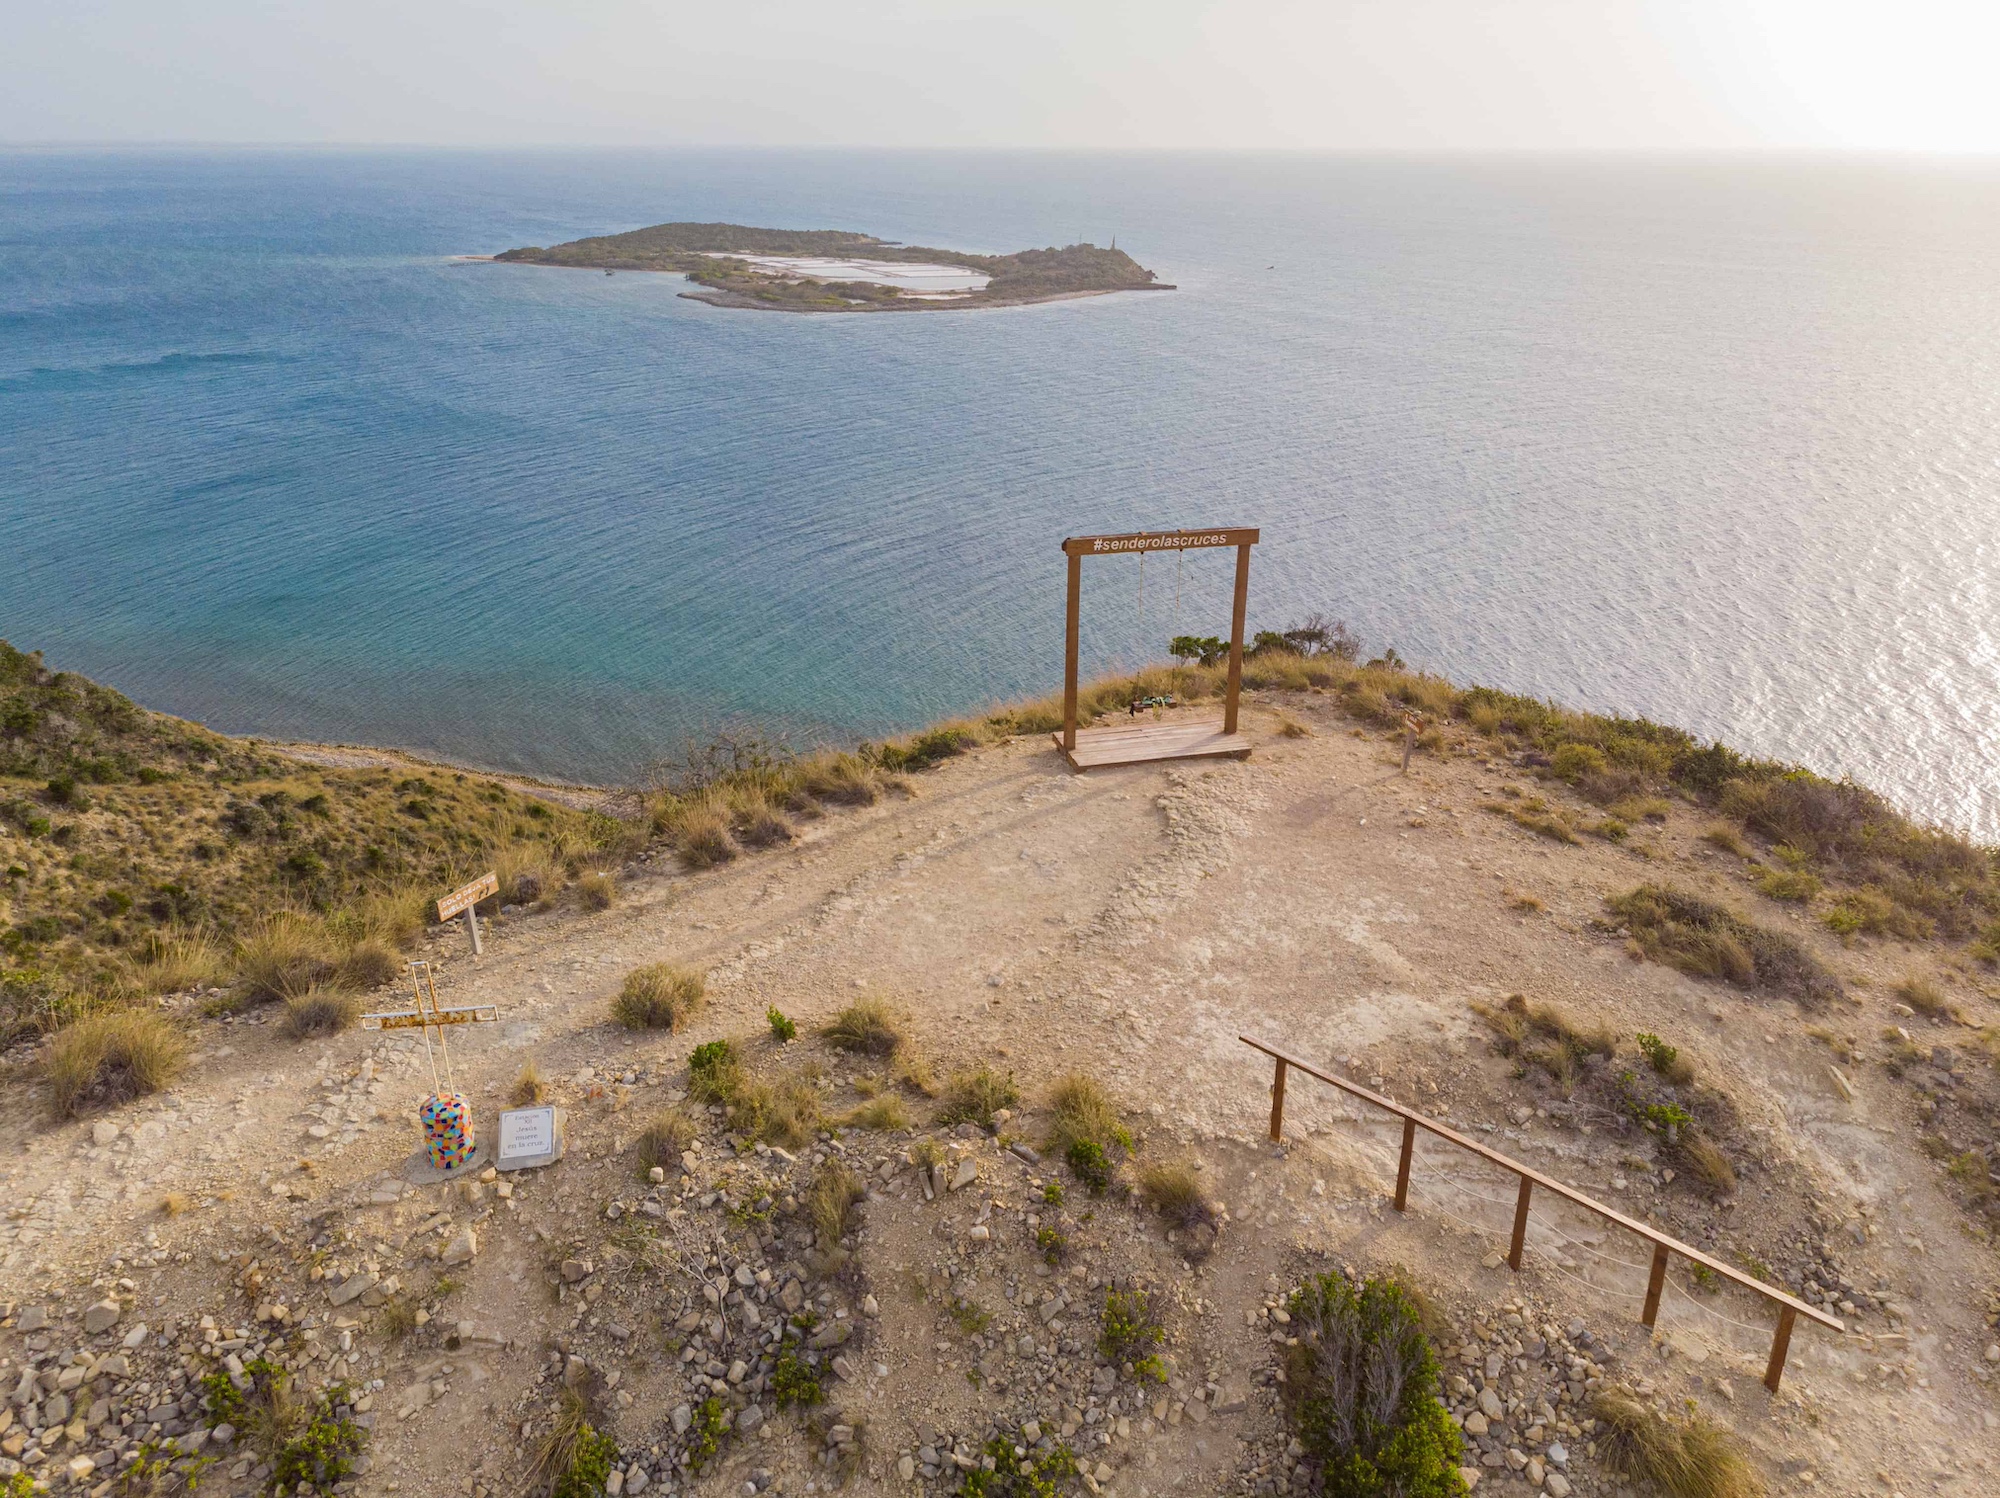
(1790, 1308)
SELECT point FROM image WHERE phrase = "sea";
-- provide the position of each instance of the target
(1710, 440)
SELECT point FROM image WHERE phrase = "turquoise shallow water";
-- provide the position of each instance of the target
(1713, 442)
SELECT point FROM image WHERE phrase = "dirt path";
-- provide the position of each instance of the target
(1130, 923)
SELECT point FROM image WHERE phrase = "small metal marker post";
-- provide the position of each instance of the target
(463, 899)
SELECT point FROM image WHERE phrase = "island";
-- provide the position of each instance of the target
(833, 270)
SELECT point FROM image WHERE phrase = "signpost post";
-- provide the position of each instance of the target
(464, 898)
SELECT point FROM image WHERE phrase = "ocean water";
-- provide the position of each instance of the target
(1709, 440)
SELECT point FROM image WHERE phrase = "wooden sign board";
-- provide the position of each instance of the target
(1142, 541)
(529, 1137)
(467, 895)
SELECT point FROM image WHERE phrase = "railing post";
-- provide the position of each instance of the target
(1403, 1165)
(1655, 1285)
(1780, 1344)
(1520, 1224)
(1278, 1104)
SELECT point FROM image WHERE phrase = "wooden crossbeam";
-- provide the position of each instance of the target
(409, 1019)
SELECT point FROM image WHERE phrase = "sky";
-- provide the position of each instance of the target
(1912, 75)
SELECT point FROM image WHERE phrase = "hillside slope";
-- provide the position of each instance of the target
(1129, 924)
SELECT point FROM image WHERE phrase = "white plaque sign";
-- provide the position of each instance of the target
(529, 1137)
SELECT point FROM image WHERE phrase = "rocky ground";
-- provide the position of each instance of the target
(1130, 924)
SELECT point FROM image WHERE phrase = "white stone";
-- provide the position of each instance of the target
(1556, 1484)
(462, 1248)
(1490, 1405)
(103, 1132)
(966, 1174)
(135, 1336)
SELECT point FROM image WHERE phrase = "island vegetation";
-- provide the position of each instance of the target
(714, 256)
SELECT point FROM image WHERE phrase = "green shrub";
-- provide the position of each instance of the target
(1666, 1060)
(782, 1029)
(795, 1381)
(1362, 1389)
(1040, 1474)
(704, 1438)
(1129, 1327)
(1053, 1245)
(1574, 761)
(1086, 1158)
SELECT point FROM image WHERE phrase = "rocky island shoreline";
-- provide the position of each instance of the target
(829, 270)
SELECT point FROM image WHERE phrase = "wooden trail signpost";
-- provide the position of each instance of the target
(464, 898)
(1138, 743)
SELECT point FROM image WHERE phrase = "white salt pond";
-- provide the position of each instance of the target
(916, 279)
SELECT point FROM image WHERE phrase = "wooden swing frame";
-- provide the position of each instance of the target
(1140, 743)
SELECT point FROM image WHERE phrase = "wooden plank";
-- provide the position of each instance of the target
(1099, 748)
(1278, 1104)
(1138, 541)
(467, 895)
(1549, 1183)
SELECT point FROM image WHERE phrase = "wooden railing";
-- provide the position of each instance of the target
(1790, 1308)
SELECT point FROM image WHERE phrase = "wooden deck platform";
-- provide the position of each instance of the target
(1144, 741)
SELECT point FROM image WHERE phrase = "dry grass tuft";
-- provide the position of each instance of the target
(1923, 995)
(176, 959)
(529, 1087)
(597, 890)
(785, 1112)
(663, 996)
(834, 1191)
(1291, 728)
(320, 1011)
(868, 1027)
(173, 1204)
(106, 1059)
(666, 1139)
(840, 779)
(1083, 1114)
(1706, 1162)
(285, 954)
(884, 1112)
(1690, 1458)
(1544, 1036)
(1173, 1189)
(368, 964)
(1727, 838)
(975, 1096)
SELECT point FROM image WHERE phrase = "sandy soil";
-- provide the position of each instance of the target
(1131, 923)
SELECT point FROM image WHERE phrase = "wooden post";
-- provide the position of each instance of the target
(1236, 638)
(1409, 742)
(1655, 1285)
(1403, 1164)
(1278, 1105)
(1520, 1224)
(472, 925)
(1775, 1369)
(1070, 649)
